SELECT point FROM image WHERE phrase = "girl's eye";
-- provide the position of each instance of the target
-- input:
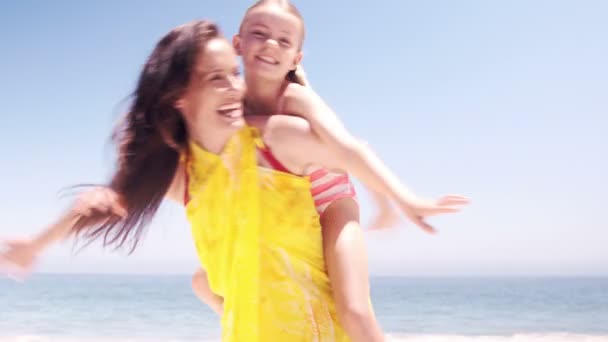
(216, 77)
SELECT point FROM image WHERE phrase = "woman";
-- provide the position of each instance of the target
(185, 138)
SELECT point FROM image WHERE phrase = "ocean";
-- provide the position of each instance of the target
(162, 308)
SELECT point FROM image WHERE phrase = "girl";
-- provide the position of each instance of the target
(269, 41)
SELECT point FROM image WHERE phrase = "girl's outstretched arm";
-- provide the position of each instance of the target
(340, 150)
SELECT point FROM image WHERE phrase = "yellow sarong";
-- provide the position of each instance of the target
(258, 236)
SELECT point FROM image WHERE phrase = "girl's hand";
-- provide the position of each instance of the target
(417, 210)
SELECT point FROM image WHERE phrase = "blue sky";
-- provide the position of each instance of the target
(504, 101)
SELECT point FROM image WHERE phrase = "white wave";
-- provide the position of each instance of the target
(550, 337)
(35, 338)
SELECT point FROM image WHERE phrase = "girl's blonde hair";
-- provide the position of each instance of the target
(298, 76)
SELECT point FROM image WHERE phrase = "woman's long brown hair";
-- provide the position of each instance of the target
(151, 137)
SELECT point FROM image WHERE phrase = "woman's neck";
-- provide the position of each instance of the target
(211, 140)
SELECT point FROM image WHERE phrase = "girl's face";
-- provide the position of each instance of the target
(270, 41)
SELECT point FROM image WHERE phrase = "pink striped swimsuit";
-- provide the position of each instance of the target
(326, 186)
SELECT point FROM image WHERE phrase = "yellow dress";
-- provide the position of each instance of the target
(258, 236)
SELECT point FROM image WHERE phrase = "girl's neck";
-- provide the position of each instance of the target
(262, 95)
